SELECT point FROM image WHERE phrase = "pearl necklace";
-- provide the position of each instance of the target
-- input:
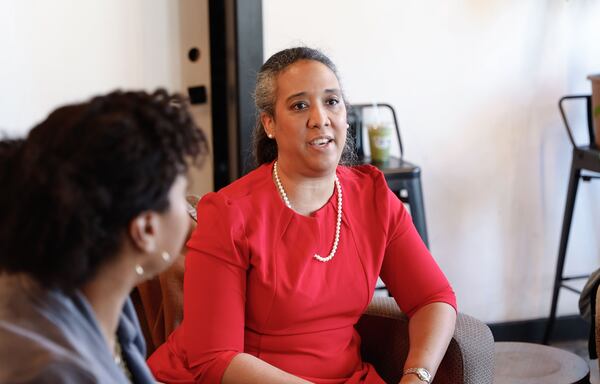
(338, 223)
(118, 357)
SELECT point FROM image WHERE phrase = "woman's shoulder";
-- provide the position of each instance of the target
(39, 371)
(362, 177)
(240, 198)
(52, 334)
(253, 183)
(360, 171)
(33, 335)
(33, 357)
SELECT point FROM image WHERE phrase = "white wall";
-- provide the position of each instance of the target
(476, 85)
(60, 51)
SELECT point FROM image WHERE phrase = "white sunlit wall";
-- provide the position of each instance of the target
(64, 51)
(476, 86)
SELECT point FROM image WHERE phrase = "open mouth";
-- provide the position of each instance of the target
(321, 141)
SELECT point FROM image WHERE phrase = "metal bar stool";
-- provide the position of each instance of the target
(403, 177)
(585, 158)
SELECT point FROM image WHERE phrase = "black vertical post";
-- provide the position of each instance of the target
(236, 56)
(218, 75)
(564, 241)
(250, 59)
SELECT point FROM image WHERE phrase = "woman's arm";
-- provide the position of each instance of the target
(247, 369)
(430, 330)
(421, 290)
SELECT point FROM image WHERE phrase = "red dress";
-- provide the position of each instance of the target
(252, 285)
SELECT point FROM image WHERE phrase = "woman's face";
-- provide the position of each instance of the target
(173, 227)
(309, 123)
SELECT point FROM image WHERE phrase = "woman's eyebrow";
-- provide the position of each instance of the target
(295, 95)
(328, 90)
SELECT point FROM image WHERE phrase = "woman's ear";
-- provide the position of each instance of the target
(268, 124)
(143, 231)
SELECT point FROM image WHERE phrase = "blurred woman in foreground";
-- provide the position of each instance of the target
(94, 203)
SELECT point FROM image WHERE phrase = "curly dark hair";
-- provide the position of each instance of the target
(84, 173)
(9, 147)
(265, 149)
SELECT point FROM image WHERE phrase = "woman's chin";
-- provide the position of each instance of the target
(324, 164)
(317, 162)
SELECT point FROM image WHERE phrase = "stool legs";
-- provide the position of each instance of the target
(562, 250)
(417, 207)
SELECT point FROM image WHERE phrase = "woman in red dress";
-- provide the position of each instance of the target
(285, 260)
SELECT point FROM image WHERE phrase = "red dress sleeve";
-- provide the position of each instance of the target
(212, 331)
(408, 270)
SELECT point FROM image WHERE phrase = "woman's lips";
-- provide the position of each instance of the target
(321, 141)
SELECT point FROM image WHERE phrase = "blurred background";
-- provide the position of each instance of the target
(475, 85)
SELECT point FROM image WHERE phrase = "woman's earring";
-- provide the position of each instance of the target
(165, 256)
(270, 135)
(139, 270)
(347, 125)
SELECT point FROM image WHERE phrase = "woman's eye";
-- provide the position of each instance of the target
(299, 106)
(333, 102)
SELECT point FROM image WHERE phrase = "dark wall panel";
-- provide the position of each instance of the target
(236, 56)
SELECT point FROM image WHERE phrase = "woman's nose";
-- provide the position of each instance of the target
(318, 117)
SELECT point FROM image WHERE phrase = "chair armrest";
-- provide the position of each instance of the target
(596, 321)
(384, 332)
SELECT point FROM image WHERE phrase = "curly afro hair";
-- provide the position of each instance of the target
(84, 173)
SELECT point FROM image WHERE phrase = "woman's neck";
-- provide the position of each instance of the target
(306, 194)
(107, 293)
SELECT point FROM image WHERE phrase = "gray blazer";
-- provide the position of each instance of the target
(50, 337)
